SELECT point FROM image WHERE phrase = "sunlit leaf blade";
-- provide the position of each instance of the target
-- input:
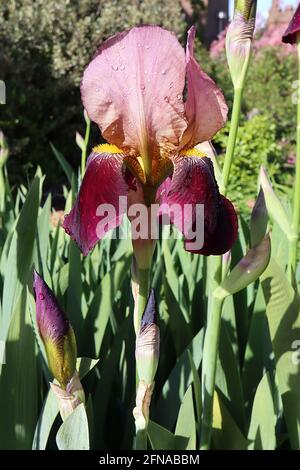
(162, 439)
(263, 419)
(179, 379)
(197, 388)
(258, 353)
(228, 380)
(283, 313)
(42, 241)
(74, 304)
(274, 206)
(225, 433)
(17, 269)
(102, 304)
(45, 422)
(172, 279)
(84, 365)
(186, 423)
(18, 382)
(74, 432)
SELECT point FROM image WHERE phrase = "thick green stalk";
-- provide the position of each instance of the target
(296, 202)
(235, 119)
(212, 333)
(144, 284)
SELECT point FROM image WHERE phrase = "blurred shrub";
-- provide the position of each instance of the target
(45, 46)
(270, 89)
(270, 86)
(256, 145)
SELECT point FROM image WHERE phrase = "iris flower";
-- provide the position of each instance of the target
(153, 105)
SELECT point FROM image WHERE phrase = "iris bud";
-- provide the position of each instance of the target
(239, 38)
(56, 333)
(147, 342)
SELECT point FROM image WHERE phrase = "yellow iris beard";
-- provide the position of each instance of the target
(107, 148)
(193, 153)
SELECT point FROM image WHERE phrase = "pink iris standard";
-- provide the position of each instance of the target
(153, 104)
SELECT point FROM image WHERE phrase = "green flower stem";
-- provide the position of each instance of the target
(84, 150)
(212, 333)
(235, 119)
(144, 284)
(209, 366)
(296, 202)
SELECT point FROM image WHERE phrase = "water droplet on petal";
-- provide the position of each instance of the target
(126, 76)
(171, 85)
(163, 72)
(148, 80)
(147, 46)
(139, 44)
(115, 67)
(122, 67)
(41, 296)
(167, 99)
(122, 47)
(142, 87)
(179, 97)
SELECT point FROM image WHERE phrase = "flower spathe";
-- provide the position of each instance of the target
(55, 331)
(133, 89)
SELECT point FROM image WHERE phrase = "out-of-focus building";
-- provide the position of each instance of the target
(279, 14)
(210, 15)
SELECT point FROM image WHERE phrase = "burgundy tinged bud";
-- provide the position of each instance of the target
(56, 332)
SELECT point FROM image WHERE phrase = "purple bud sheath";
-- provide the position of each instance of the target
(150, 313)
